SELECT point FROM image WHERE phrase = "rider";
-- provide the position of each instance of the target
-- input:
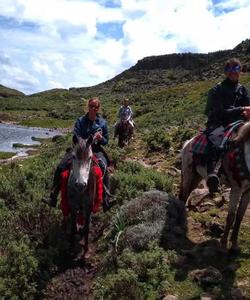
(227, 102)
(91, 123)
(125, 114)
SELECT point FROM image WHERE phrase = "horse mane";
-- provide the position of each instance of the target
(243, 134)
(80, 147)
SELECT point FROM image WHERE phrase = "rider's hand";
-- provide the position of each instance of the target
(246, 112)
(98, 136)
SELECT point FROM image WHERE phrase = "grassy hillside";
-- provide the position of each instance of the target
(132, 257)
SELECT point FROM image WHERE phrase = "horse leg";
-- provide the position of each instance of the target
(193, 185)
(235, 195)
(240, 214)
(189, 181)
(73, 229)
(86, 235)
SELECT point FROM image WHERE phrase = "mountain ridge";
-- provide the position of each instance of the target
(162, 70)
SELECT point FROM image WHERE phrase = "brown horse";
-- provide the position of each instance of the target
(239, 198)
(125, 132)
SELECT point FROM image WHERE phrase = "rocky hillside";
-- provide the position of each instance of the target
(146, 246)
(154, 72)
(170, 69)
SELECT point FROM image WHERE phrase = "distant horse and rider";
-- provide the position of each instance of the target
(224, 147)
(124, 127)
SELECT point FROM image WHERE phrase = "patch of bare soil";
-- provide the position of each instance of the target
(75, 281)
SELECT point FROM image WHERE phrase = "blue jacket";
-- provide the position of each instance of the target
(84, 127)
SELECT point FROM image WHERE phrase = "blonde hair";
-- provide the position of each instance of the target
(96, 99)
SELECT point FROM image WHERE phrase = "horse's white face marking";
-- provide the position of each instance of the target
(82, 158)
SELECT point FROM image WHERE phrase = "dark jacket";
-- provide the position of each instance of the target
(84, 127)
(225, 103)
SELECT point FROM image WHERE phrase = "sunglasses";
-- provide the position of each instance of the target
(234, 69)
(93, 106)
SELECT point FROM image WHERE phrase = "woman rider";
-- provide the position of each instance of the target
(90, 124)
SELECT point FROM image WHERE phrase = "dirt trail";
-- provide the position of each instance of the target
(75, 282)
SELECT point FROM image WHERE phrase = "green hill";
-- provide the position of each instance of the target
(6, 92)
(154, 85)
(131, 258)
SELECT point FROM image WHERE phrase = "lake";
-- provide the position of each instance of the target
(10, 134)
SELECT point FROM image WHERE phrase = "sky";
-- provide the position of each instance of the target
(48, 44)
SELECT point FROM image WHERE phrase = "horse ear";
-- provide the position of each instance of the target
(90, 140)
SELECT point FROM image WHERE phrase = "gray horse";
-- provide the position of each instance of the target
(238, 176)
(81, 187)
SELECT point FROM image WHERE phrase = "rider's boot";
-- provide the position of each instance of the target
(52, 199)
(212, 178)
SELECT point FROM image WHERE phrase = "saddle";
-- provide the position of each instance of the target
(233, 152)
(64, 192)
(200, 141)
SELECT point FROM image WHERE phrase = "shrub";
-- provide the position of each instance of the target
(18, 267)
(131, 179)
(124, 286)
(180, 135)
(141, 275)
(158, 140)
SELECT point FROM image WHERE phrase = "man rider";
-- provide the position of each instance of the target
(91, 123)
(227, 102)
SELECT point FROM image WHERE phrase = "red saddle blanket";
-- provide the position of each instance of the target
(64, 195)
(199, 143)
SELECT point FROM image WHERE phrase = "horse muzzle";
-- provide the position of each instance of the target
(80, 186)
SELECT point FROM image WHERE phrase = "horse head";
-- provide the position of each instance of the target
(81, 165)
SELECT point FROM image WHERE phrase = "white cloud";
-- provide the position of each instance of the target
(57, 41)
(55, 84)
(40, 67)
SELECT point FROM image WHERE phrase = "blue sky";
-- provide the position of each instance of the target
(49, 44)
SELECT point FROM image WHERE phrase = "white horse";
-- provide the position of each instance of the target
(192, 174)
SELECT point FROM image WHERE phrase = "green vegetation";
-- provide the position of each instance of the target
(5, 155)
(168, 109)
(19, 145)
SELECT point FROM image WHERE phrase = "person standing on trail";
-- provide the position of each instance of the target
(125, 113)
(227, 102)
(90, 124)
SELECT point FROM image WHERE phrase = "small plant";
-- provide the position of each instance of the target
(158, 140)
(119, 226)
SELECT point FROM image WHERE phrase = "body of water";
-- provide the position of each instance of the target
(11, 134)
